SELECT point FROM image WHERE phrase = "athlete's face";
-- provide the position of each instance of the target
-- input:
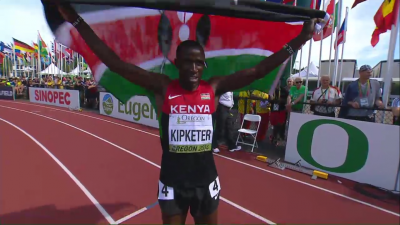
(190, 63)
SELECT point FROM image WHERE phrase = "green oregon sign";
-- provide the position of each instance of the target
(357, 149)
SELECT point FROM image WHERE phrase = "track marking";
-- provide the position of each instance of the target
(228, 158)
(265, 220)
(69, 173)
(136, 213)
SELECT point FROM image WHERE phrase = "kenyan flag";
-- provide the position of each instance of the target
(149, 38)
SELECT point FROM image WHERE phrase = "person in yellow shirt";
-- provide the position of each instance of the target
(262, 109)
(58, 82)
(19, 87)
(242, 107)
(50, 82)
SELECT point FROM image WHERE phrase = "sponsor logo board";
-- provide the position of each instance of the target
(56, 97)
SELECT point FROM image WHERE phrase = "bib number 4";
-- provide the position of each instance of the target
(165, 192)
(214, 188)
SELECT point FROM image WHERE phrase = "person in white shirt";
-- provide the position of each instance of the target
(224, 123)
(326, 97)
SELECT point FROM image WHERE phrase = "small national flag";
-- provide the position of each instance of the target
(205, 96)
(341, 38)
(42, 46)
(21, 47)
(385, 17)
(317, 5)
(5, 48)
(356, 2)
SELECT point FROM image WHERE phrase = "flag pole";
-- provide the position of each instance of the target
(15, 63)
(335, 68)
(291, 57)
(344, 42)
(39, 52)
(331, 45)
(387, 80)
(320, 49)
(301, 56)
(308, 63)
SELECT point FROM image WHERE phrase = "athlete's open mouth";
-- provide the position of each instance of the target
(193, 78)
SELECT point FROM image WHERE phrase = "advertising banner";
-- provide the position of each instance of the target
(360, 151)
(7, 93)
(57, 97)
(138, 109)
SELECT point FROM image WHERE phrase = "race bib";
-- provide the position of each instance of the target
(190, 133)
(215, 188)
(276, 107)
(165, 192)
(364, 102)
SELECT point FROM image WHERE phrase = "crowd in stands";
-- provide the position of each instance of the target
(87, 87)
(361, 101)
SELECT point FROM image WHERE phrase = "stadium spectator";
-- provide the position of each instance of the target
(50, 82)
(43, 80)
(327, 98)
(224, 124)
(58, 82)
(362, 96)
(242, 107)
(289, 84)
(19, 87)
(262, 109)
(69, 84)
(296, 95)
(278, 114)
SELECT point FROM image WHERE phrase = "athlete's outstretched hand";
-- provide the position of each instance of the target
(245, 77)
(309, 28)
(151, 81)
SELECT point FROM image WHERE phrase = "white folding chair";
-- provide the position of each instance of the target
(251, 132)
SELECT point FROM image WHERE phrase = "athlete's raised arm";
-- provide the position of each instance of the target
(153, 81)
(245, 77)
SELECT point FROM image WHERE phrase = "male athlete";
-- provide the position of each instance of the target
(188, 177)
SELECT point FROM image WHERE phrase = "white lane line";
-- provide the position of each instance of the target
(228, 158)
(69, 173)
(125, 218)
(142, 158)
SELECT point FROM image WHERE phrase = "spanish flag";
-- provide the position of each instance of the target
(384, 18)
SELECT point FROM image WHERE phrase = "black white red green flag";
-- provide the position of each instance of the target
(149, 37)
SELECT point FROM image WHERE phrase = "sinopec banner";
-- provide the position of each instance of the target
(57, 97)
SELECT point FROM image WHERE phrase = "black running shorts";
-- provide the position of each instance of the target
(202, 201)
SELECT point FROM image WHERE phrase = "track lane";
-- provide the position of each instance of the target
(319, 206)
(112, 178)
(29, 193)
(331, 186)
(126, 189)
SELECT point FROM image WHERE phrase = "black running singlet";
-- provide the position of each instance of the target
(186, 132)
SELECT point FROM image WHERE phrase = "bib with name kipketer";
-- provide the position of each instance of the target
(186, 132)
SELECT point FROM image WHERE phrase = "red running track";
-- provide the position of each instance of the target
(117, 163)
